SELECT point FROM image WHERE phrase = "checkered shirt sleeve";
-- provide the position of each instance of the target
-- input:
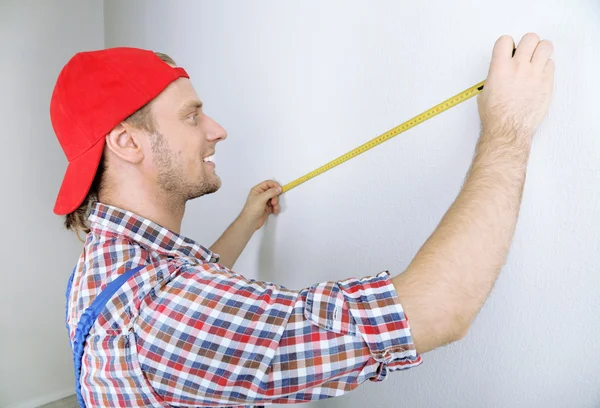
(208, 336)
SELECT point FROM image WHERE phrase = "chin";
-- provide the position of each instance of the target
(215, 183)
(206, 187)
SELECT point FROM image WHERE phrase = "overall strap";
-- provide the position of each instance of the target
(87, 320)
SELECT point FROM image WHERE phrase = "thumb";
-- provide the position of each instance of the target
(270, 193)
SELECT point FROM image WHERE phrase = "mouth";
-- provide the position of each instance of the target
(209, 159)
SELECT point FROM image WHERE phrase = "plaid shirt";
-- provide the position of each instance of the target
(187, 331)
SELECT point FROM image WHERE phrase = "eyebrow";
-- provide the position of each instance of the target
(189, 107)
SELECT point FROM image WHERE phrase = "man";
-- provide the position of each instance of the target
(157, 319)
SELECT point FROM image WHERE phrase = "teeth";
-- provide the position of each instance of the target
(209, 159)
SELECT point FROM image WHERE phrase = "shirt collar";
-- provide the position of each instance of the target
(105, 218)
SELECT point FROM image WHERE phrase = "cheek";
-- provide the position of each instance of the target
(186, 142)
(192, 152)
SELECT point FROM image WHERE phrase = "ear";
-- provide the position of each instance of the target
(124, 142)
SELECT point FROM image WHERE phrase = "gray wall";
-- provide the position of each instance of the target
(299, 83)
(38, 37)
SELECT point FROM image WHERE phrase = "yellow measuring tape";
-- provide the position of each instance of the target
(428, 114)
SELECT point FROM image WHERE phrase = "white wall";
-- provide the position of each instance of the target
(38, 37)
(298, 83)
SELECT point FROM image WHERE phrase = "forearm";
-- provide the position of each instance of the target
(233, 241)
(454, 271)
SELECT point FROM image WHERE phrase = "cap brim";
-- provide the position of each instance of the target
(78, 179)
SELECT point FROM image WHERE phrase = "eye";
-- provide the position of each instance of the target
(192, 118)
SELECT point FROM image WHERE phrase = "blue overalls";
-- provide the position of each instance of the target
(87, 320)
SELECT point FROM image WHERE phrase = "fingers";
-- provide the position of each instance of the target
(542, 54)
(265, 185)
(530, 49)
(272, 192)
(274, 206)
(271, 197)
(549, 67)
(503, 48)
(526, 47)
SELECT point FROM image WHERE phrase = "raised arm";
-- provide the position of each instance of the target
(446, 284)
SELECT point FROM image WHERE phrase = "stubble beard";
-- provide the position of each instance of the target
(171, 174)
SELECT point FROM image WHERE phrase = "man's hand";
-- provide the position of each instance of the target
(517, 91)
(263, 200)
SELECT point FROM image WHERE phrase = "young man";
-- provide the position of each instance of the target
(156, 319)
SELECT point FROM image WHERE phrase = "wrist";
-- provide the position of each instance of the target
(508, 142)
(506, 131)
(245, 223)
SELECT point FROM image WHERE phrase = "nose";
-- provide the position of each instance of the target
(216, 132)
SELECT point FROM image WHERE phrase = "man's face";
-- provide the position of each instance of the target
(184, 142)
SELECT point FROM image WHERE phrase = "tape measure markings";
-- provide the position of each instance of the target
(428, 114)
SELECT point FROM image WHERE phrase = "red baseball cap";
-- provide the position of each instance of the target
(94, 92)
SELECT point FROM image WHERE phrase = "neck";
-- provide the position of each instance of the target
(159, 207)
